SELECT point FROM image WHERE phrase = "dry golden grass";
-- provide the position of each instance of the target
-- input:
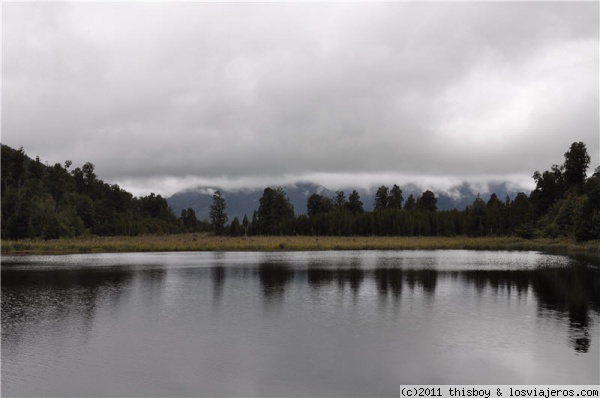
(209, 242)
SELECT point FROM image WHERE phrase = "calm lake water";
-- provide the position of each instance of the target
(295, 324)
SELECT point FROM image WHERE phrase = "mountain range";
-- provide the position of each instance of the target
(245, 201)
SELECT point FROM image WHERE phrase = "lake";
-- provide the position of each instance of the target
(350, 323)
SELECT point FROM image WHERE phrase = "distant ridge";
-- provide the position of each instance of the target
(245, 201)
(240, 202)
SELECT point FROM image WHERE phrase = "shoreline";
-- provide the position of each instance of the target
(208, 242)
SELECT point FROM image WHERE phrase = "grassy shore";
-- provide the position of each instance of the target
(208, 242)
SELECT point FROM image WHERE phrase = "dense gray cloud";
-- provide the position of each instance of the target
(161, 96)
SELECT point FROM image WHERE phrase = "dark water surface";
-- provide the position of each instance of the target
(295, 324)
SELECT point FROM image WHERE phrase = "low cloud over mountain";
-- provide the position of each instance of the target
(246, 201)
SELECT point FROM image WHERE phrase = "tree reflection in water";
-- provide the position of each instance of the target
(562, 293)
(217, 274)
(273, 279)
(568, 294)
(60, 295)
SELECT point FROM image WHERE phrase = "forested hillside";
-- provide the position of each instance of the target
(40, 201)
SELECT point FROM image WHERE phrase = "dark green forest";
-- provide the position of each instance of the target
(47, 202)
(40, 201)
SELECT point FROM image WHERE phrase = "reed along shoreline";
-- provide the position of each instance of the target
(210, 242)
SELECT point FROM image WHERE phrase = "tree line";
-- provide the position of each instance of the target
(565, 202)
(40, 201)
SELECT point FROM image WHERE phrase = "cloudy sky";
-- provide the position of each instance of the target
(166, 96)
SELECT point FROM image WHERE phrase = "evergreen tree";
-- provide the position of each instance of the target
(410, 203)
(317, 204)
(395, 199)
(588, 226)
(427, 201)
(36, 169)
(576, 163)
(58, 183)
(235, 229)
(476, 219)
(217, 215)
(188, 218)
(355, 205)
(493, 216)
(245, 223)
(520, 216)
(18, 168)
(275, 213)
(549, 188)
(381, 198)
(340, 202)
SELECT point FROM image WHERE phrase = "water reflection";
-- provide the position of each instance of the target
(427, 279)
(561, 292)
(566, 294)
(61, 298)
(319, 277)
(273, 280)
(573, 292)
(163, 311)
(217, 275)
(353, 277)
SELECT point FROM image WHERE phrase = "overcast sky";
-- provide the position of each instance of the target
(166, 96)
